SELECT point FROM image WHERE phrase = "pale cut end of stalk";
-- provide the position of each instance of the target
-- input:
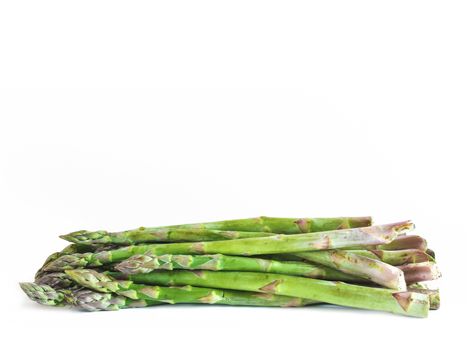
(385, 234)
(402, 228)
(413, 303)
(433, 294)
(419, 272)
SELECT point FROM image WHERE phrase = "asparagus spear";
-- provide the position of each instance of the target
(284, 225)
(247, 246)
(391, 257)
(177, 295)
(339, 293)
(350, 263)
(419, 272)
(149, 262)
(84, 299)
(216, 231)
(156, 234)
(395, 257)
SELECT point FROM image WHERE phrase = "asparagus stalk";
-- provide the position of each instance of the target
(156, 234)
(399, 243)
(339, 293)
(177, 295)
(284, 225)
(217, 231)
(419, 272)
(247, 246)
(218, 262)
(350, 263)
(391, 257)
(394, 257)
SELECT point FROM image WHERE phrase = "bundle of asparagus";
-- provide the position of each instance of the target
(260, 261)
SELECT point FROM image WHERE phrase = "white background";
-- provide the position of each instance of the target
(120, 114)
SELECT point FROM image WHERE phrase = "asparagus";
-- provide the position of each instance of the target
(391, 257)
(396, 257)
(43, 294)
(149, 262)
(89, 300)
(247, 246)
(433, 294)
(178, 295)
(84, 299)
(399, 243)
(419, 272)
(217, 231)
(69, 249)
(350, 263)
(339, 293)
(56, 280)
(155, 234)
(284, 225)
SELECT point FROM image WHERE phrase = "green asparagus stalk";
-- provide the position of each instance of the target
(391, 257)
(400, 243)
(149, 262)
(155, 234)
(178, 295)
(433, 294)
(284, 225)
(247, 246)
(339, 293)
(419, 272)
(217, 231)
(394, 257)
(350, 263)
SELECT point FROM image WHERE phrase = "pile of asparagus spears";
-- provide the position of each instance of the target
(262, 261)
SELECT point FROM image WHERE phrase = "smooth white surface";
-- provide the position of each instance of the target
(116, 115)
